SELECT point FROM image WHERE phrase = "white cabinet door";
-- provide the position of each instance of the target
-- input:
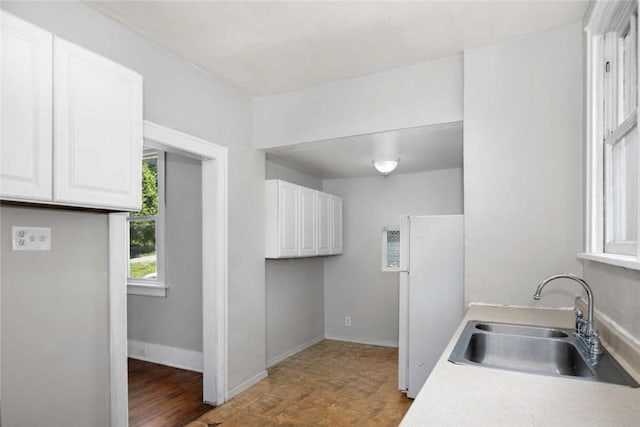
(336, 225)
(25, 141)
(288, 219)
(97, 130)
(324, 223)
(300, 221)
(307, 221)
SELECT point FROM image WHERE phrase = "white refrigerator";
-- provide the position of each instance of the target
(431, 293)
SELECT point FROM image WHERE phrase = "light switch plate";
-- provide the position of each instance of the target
(31, 238)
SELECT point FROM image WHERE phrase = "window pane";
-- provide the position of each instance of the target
(624, 187)
(142, 249)
(609, 101)
(393, 248)
(629, 86)
(149, 187)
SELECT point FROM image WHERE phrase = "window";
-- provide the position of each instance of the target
(612, 134)
(146, 231)
(620, 137)
(390, 249)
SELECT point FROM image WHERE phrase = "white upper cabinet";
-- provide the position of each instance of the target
(288, 203)
(25, 142)
(336, 225)
(307, 221)
(71, 123)
(324, 223)
(299, 221)
(281, 220)
(97, 129)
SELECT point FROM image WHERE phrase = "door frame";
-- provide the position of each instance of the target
(214, 159)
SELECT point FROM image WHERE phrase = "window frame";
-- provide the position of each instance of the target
(153, 287)
(602, 18)
(385, 265)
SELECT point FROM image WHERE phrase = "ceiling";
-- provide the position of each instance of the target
(419, 149)
(266, 48)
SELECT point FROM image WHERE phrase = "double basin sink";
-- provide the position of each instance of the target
(536, 350)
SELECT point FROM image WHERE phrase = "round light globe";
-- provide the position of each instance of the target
(385, 167)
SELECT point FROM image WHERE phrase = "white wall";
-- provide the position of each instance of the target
(295, 288)
(422, 94)
(185, 98)
(523, 133)
(276, 171)
(176, 321)
(55, 330)
(354, 283)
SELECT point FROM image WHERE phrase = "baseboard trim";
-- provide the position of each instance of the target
(296, 349)
(165, 355)
(247, 384)
(381, 343)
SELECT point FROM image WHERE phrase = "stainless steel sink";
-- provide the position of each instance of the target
(552, 357)
(533, 349)
(529, 331)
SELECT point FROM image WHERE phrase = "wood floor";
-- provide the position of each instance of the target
(332, 383)
(161, 396)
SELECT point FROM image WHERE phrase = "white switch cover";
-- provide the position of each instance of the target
(31, 238)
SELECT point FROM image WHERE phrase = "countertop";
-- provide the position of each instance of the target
(466, 395)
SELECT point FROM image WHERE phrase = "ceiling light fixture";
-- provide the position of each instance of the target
(385, 167)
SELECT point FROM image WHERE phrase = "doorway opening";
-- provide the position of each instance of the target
(213, 211)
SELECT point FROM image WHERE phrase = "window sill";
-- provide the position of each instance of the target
(624, 261)
(150, 290)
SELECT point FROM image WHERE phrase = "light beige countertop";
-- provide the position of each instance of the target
(466, 395)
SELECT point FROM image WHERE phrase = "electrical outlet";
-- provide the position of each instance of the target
(31, 238)
(347, 321)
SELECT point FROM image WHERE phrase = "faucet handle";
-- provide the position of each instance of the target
(594, 341)
(581, 324)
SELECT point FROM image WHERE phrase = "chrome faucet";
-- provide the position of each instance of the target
(586, 333)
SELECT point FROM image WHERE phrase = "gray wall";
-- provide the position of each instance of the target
(354, 283)
(55, 331)
(295, 295)
(176, 321)
(616, 292)
(523, 166)
(182, 97)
